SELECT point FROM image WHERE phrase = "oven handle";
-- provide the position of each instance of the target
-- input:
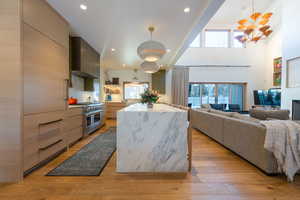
(93, 112)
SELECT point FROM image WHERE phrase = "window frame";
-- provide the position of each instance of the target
(217, 30)
(130, 82)
(244, 95)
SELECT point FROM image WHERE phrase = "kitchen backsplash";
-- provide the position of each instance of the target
(77, 91)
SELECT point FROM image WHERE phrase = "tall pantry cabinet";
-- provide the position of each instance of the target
(46, 71)
(34, 61)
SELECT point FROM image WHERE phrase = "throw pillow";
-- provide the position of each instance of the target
(245, 118)
(207, 106)
(274, 114)
(227, 114)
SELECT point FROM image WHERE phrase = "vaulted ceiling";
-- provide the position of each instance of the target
(122, 25)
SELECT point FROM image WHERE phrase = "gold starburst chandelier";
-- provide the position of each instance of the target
(255, 28)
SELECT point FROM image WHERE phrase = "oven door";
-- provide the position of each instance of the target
(97, 118)
(89, 120)
(93, 122)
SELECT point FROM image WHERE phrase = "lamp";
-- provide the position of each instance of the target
(150, 67)
(151, 50)
(255, 28)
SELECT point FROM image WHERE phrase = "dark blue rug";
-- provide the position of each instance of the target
(91, 159)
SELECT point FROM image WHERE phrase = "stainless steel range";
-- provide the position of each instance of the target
(93, 117)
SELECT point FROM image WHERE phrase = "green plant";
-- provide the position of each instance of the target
(149, 97)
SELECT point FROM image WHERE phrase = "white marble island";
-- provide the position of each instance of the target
(152, 139)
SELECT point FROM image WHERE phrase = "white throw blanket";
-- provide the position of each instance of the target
(283, 140)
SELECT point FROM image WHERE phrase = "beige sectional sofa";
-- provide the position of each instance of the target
(241, 134)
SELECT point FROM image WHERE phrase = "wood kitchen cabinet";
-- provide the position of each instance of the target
(45, 73)
(159, 81)
(45, 61)
(85, 60)
(73, 125)
(112, 108)
(43, 137)
(40, 15)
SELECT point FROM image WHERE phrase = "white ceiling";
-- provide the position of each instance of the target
(122, 24)
(233, 10)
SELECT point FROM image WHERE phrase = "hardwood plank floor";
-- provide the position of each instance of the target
(217, 174)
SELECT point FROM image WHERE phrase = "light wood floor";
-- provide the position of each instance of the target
(217, 174)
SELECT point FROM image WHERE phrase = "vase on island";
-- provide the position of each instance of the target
(149, 97)
(149, 105)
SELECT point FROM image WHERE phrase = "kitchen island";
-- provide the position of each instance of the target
(152, 139)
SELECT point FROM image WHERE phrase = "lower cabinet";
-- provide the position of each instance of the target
(43, 137)
(49, 133)
(112, 108)
(73, 129)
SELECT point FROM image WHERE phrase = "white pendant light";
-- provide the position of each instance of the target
(150, 67)
(151, 50)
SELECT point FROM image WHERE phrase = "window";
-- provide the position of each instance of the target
(196, 42)
(217, 38)
(134, 90)
(216, 93)
(237, 43)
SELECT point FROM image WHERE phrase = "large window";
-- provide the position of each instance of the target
(220, 38)
(133, 90)
(216, 93)
(217, 38)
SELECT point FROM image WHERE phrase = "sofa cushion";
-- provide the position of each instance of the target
(245, 118)
(227, 114)
(274, 114)
(206, 106)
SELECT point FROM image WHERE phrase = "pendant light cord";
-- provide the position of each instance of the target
(151, 29)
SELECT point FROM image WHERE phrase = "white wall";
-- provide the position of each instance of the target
(274, 43)
(257, 76)
(291, 47)
(77, 90)
(258, 56)
(126, 75)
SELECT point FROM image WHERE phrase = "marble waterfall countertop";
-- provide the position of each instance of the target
(138, 107)
(152, 139)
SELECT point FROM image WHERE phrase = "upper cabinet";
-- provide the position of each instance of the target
(37, 12)
(85, 61)
(159, 81)
(45, 59)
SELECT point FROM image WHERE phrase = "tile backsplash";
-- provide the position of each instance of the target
(77, 91)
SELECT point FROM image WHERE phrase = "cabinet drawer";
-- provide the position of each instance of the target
(50, 133)
(74, 135)
(50, 150)
(40, 130)
(31, 153)
(73, 122)
(73, 112)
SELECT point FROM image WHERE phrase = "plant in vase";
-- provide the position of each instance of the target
(149, 97)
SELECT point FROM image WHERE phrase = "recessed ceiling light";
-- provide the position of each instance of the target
(113, 49)
(83, 7)
(187, 10)
(168, 50)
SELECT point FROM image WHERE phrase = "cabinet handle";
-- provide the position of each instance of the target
(51, 122)
(50, 145)
(66, 89)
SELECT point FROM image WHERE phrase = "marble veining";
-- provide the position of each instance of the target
(152, 140)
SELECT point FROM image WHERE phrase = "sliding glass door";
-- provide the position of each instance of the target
(216, 93)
